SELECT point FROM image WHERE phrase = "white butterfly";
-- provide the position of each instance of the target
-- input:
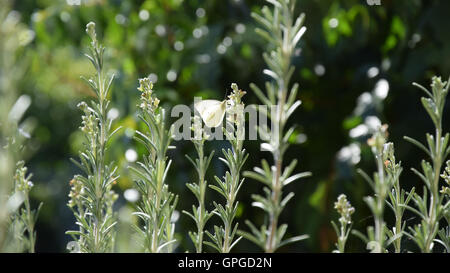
(211, 111)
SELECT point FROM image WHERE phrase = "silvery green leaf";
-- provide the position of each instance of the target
(298, 35)
(292, 108)
(19, 108)
(271, 74)
(293, 240)
(295, 177)
(418, 144)
(423, 89)
(267, 147)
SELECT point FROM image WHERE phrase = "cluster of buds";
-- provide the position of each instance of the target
(90, 30)
(148, 102)
(88, 119)
(378, 139)
(389, 158)
(76, 191)
(438, 86)
(236, 96)
(235, 107)
(88, 124)
(435, 102)
(22, 180)
(345, 209)
(446, 176)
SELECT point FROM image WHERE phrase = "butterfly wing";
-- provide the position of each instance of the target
(202, 105)
(214, 115)
(211, 111)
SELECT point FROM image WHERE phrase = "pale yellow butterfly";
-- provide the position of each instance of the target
(211, 111)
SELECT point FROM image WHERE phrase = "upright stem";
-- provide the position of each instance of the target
(235, 176)
(201, 202)
(342, 239)
(226, 240)
(379, 222)
(30, 224)
(155, 238)
(277, 155)
(99, 193)
(434, 194)
(160, 166)
(398, 220)
(276, 192)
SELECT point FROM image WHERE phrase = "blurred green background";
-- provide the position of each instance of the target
(351, 54)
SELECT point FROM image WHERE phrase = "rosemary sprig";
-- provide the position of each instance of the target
(91, 195)
(431, 206)
(345, 210)
(199, 213)
(223, 239)
(158, 203)
(283, 32)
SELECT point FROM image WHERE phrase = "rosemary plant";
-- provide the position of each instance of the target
(346, 210)
(433, 209)
(282, 32)
(381, 185)
(17, 219)
(9, 31)
(91, 196)
(223, 238)
(199, 214)
(386, 183)
(27, 216)
(398, 197)
(158, 203)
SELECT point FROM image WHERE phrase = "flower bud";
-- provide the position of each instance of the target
(90, 30)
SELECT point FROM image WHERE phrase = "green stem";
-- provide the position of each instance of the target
(277, 155)
(160, 168)
(201, 201)
(235, 177)
(30, 223)
(342, 238)
(434, 198)
(227, 239)
(381, 195)
(100, 169)
(398, 219)
(276, 192)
